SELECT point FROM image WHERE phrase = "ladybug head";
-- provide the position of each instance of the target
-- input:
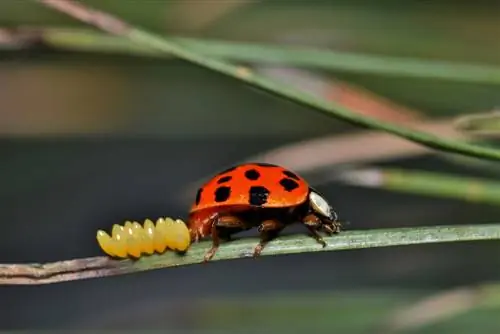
(321, 206)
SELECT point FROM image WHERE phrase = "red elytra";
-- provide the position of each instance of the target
(266, 196)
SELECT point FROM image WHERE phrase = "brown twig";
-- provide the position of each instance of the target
(95, 18)
(69, 270)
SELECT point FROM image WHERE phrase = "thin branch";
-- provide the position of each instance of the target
(113, 25)
(95, 267)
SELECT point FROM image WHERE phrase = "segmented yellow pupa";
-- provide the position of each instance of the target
(132, 239)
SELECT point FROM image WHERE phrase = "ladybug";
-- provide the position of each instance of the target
(260, 195)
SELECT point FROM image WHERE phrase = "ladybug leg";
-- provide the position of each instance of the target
(221, 221)
(313, 223)
(268, 229)
(232, 224)
(331, 228)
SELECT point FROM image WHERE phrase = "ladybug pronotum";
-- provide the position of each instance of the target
(260, 195)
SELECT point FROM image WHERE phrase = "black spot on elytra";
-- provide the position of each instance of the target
(252, 174)
(258, 195)
(288, 184)
(291, 175)
(222, 194)
(224, 179)
(198, 196)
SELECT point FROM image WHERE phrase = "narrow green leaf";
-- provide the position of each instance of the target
(88, 40)
(471, 189)
(242, 248)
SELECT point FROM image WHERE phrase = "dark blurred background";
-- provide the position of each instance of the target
(90, 139)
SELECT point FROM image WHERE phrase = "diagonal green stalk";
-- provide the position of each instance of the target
(118, 27)
(242, 248)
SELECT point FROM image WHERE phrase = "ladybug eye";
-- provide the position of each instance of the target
(320, 205)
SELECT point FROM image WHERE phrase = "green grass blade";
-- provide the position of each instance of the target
(471, 189)
(301, 57)
(242, 248)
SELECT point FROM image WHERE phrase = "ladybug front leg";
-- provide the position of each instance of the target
(313, 223)
(228, 221)
(268, 229)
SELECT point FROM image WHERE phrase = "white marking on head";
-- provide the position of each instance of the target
(320, 205)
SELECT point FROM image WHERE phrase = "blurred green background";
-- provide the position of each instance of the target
(93, 138)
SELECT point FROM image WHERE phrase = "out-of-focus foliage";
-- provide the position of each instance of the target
(56, 192)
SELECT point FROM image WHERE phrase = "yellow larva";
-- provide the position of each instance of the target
(132, 239)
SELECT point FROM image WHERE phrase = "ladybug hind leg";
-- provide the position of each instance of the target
(268, 229)
(224, 221)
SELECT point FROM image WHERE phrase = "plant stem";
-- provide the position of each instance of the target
(118, 27)
(96, 267)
